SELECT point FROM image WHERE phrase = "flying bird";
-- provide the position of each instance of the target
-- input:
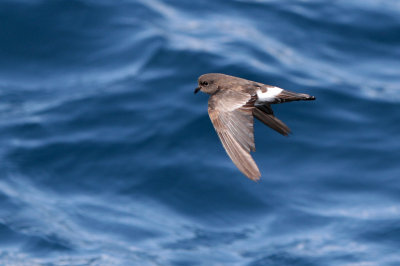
(232, 105)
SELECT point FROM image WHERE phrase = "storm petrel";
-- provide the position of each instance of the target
(232, 104)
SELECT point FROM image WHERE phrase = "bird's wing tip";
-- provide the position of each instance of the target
(256, 178)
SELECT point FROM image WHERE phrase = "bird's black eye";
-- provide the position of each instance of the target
(205, 83)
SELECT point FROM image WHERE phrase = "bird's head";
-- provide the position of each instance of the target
(208, 83)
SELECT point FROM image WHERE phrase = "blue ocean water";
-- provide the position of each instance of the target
(107, 157)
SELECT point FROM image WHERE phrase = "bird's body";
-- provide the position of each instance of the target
(232, 105)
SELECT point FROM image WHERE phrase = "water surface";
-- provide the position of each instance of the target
(108, 158)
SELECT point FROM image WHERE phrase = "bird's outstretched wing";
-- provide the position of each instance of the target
(231, 113)
(265, 114)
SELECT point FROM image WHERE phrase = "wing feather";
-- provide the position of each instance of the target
(265, 114)
(232, 118)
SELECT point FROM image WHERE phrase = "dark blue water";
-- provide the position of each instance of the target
(107, 157)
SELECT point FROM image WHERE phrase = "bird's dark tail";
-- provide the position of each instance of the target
(288, 96)
(265, 114)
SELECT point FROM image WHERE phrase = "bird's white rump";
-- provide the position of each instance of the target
(269, 95)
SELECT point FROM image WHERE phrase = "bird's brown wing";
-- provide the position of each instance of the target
(265, 114)
(231, 113)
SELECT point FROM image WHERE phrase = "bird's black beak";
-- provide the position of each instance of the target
(196, 90)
